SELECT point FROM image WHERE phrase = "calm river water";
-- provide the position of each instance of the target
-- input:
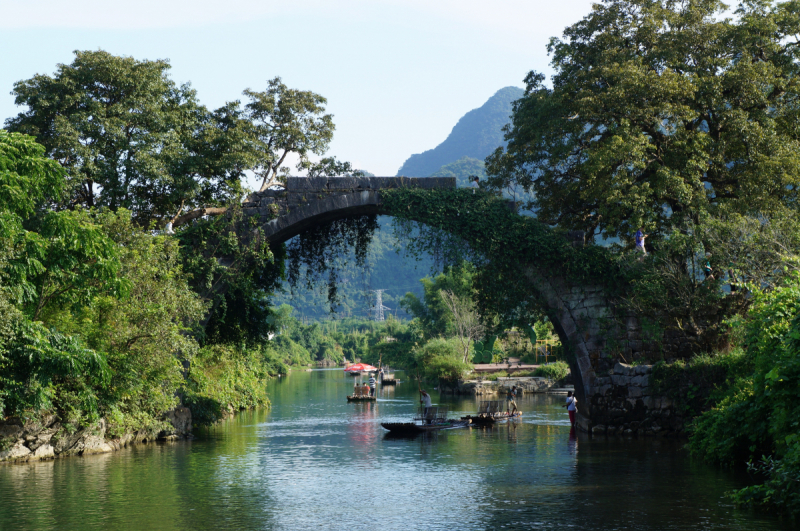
(313, 461)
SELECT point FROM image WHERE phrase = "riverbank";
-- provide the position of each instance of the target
(50, 438)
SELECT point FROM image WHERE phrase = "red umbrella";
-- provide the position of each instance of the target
(360, 367)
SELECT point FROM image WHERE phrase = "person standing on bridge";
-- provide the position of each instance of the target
(639, 238)
(572, 407)
(473, 183)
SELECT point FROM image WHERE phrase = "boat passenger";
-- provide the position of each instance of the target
(365, 390)
(372, 385)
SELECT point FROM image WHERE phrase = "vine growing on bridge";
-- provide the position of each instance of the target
(322, 249)
(503, 244)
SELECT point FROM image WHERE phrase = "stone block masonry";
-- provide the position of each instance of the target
(308, 202)
(622, 403)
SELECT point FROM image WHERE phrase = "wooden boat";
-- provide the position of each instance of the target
(387, 378)
(428, 419)
(491, 412)
(412, 428)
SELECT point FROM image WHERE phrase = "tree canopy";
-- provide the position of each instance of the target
(660, 112)
(130, 137)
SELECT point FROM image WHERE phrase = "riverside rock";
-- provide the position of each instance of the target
(47, 437)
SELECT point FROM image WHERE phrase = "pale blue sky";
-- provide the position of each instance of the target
(397, 74)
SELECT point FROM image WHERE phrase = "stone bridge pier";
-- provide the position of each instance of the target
(614, 398)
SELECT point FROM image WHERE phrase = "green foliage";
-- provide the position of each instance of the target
(431, 312)
(319, 248)
(291, 352)
(494, 376)
(696, 383)
(484, 350)
(670, 290)
(27, 179)
(227, 378)
(283, 121)
(462, 170)
(658, 113)
(500, 244)
(67, 259)
(41, 369)
(441, 360)
(556, 371)
(331, 342)
(384, 267)
(236, 273)
(129, 137)
(758, 417)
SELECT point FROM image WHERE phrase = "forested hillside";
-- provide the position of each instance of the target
(477, 134)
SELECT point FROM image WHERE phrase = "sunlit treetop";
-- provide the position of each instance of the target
(660, 112)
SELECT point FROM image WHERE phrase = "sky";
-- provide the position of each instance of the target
(397, 74)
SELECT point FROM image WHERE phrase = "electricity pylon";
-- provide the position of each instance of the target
(379, 307)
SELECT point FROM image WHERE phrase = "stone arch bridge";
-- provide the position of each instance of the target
(613, 397)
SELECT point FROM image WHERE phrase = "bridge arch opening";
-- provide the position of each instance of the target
(582, 313)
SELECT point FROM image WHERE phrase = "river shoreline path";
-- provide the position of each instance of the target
(315, 461)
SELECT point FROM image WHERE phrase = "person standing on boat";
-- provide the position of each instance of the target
(572, 407)
(512, 394)
(371, 384)
(425, 400)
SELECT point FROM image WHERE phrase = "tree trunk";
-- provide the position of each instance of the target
(199, 213)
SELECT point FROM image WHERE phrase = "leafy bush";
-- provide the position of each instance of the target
(441, 360)
(228, 378)
(695, 383)
(41, 369)
(558, 370)
(494, 375)
(758, 418)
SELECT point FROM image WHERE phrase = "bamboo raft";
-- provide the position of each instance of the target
(359, 395)
(491, 412)
(427, 419)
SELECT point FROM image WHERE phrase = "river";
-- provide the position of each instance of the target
(315, 461)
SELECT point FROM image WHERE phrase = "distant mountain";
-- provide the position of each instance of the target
(476, 135)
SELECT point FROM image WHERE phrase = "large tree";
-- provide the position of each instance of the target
(660, 111)
(286, 121)
(129, 137)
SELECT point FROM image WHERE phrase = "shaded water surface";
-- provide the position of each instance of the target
(315, 461)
